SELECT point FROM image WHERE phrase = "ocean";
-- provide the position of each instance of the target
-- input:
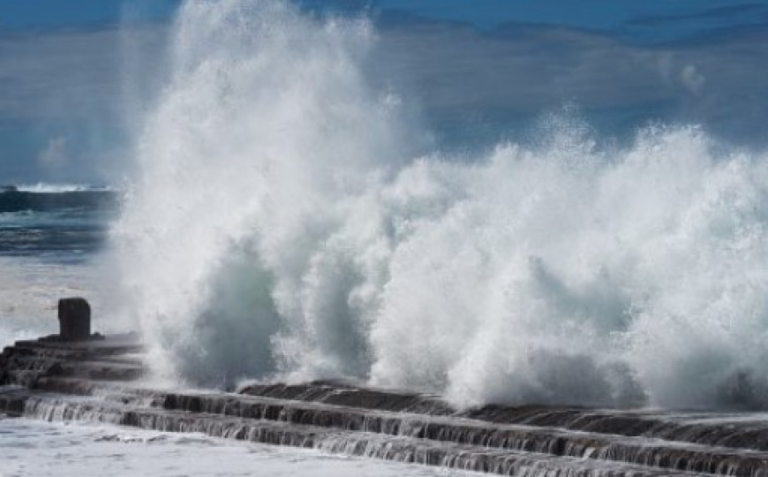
(286, 215)
(53, 240)
(31, 448)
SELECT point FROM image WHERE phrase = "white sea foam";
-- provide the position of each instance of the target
(279, 222)
(33, 448)
(51, 188)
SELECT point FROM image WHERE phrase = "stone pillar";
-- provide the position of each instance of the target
(74, 319)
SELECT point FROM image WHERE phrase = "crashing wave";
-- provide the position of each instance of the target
(281, 223)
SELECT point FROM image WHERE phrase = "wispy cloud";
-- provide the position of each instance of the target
(525, 69)
(71, 84)
(64, 74)
(719, 14)
(81, 85)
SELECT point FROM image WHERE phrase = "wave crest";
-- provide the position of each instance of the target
(280, 224)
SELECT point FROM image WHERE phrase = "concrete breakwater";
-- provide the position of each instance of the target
(99, 379)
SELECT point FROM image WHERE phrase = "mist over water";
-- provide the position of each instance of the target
(285, 222)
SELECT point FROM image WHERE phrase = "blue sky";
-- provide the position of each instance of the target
(480, 69)
(27, 15)
(635, 20)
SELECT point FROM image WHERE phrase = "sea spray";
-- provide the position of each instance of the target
(234, 162)
(282, 223)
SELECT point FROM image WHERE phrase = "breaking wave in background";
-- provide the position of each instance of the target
(45, 188)
(283, 222)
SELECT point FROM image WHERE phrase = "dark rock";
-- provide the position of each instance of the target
(74, 319)
(98, 358)
(99, 374)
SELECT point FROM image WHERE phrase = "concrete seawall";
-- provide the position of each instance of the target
(100, 380)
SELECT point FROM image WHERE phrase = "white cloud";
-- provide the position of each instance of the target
(82, 84)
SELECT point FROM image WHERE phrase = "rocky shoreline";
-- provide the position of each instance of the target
(99, 379)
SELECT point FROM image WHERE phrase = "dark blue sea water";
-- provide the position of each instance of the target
(51, 239)
(66, 225)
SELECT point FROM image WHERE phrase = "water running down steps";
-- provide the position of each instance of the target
(99, 381)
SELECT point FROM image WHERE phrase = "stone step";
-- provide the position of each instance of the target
(53, 407)
(96, 380)
(449, 429)
(735, 430)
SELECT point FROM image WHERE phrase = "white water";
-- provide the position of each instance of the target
(30, 288)
(45, 188)
(280, 222)
(33, 448)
